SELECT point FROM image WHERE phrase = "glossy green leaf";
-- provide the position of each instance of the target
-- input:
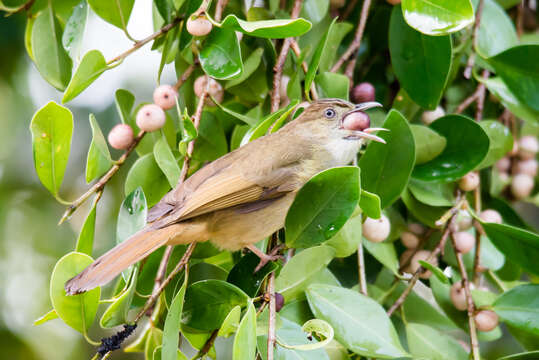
(171, 329)
(211, 141)
(297, 272)
(116, 313)
(370, 204)
(519, 70)
(496, 30)
(169, 50)
(428, 143)
(124, 104)
(319, 327)
(249, 66)
(262, 128)
(245, 118)
(519, 307)
(52, 129)
(166, 161)
(50, 315)
(332, 85)
(531, 355)
(244, 347)
(114, 12)
(77, 311)
(433, 193)
(438, 17)
(435, 270)
(500, 142)
(385, 253)
(98, 160)
(346, 241)
(467, 145)
(314, 10)
(85, 241)
(146, 173)
(92, 65)
(518, 245)
(243, 274)
(498, 87)
(417, 56)
(208, 302)
(153, 341)
(220, 57)
(428, 343)
(231, 322)
(74, 30)
(51, 59)
(360, 323)
(132, 215)
(336, 35)
(317, 57)
(271, 29)
(386, 168)
(322, 206)
(425, 213)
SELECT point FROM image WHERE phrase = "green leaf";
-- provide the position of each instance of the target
(124, 104)
(467, 145)
(52, 129)
(50, 315)
(98, 160)
(243, 274)
(336, 35)
(132, 215)
(519, 70)
(171, 329)
(315, 60)
(496, 30)
(208, 302)
(158, 354)
(146, 173)
(314, 10)
(92, 65)
(370, 204)
(428, 143)
(245, 118)
(386, 168)
(433, 193)
(51, 59)
(500, 140)
(116, 313)
(220, 56)
(531, 355)
(262, 128)
(115, 12)
(249, 66)
(441, 292)
(360, 323)
(425, 213)
(85, 241)
(322, 206)
(518, 245)
(231, 322)
(519, 308)
(297, 272)
(385, 253)
(169, 50)
(428, 343)
(438, 17)
(153, 341)
(74, 30)
(435, 270)
(211, 141)
(77, 311)
(166, 161)
(271, 29)
(320, 328)
(331, 85)
(244, 347)
(417, 56)
(346, 241)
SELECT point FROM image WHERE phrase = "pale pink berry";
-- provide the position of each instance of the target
(522, 185)
(405, 258)
(199, 26)
(357, 121)
(528, 167)
(165, 96)
(469, 182)
(458, 296)
(486, 320)
(463, 220)
(150, 118)
(428, 117)
(464, 241)
(527, 147)
(491, 216)
(215, 89)
(503, 164)
(409, 240)
(422, 255)
(376, 230)
(417, 228)
(363, 92)
(121, 136)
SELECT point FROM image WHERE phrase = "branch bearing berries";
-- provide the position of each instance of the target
(464, 241)
(164, 96)
(458, 296)
(422, 255)
(363, 92)
(486, 320)
(121, 136)
(376, 230)
(469, 182)
(150, 118)
(199, 26)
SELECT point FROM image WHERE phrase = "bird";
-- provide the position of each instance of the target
(243, 196)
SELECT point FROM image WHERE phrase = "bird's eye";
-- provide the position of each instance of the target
(329, 113)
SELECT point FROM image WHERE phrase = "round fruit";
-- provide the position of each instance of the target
(527, 147)
(417, 228)
(458, 296)
(121, 136)
(464, 241)
(357, 121)
(503, 164)
(486, 320)
(215, 89)
(409, 240)
(376, 230)
(165, 96)
(490, 215)
(405, 259)
(199, 26)
(469, 182)
(464, 220)
(150, 118)
(415, 265)
(279, 301)
(428, 117)
(363, 92)
(528, 167)
(522, 185)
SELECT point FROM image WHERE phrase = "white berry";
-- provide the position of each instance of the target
(463, 220)
(527, 147)
(376, 230)
(458, 296)
(215, 89)
(528, 167)
(469, 182)
(503, 164)
(199, 26)
(417, 228)
(491, 216)
(428, 117)
(522, 185)
(409, 240)
(422, 255)
(464, 241)
(165, 96)
(121, 136)
(486, 320)
(150, 118)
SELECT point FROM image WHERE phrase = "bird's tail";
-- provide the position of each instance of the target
(113, 262)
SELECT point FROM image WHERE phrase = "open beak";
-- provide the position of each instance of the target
(367, 133)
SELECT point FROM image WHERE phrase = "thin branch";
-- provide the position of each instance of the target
(351, 5)
(99, 185)
(361, 270)
(295, 48)
(207, 345)
(349, 70)
(185, 75)
(221, 4)
(24, 7)
(356, 43)
(477, 256)
(471, 58)
(146, 40)
(271, 317)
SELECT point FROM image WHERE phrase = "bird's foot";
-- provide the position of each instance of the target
(266, 258)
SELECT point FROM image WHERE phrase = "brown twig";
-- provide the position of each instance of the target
(295, 48)
(24, 7)
(349, 70)
(520, 19)
(356, 43)
(477, 96)
(361, 270)
(100, 184)
(185, 75)
(349, 8)
(221, 4)
(471, 58)
(207, 345)
(271, 317)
